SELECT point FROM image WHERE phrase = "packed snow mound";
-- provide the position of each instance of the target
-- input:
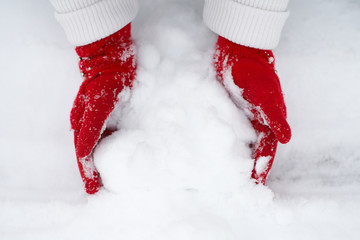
(178, 128)
(180, 163)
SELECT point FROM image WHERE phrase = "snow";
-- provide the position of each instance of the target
(261, 164)
(179, 166)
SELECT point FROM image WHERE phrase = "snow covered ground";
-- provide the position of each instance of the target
(179, 166)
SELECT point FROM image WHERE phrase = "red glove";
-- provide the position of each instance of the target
(253, 71)
(108, 66)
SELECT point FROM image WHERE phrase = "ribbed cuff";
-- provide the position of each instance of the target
(86, 21)
(251, 23)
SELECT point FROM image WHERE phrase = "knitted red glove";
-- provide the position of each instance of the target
(108, 66)
(252, 70)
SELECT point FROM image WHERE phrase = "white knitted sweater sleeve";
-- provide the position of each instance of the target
(86, 21)
(253, 23)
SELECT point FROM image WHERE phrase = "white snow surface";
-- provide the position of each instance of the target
(179, 166)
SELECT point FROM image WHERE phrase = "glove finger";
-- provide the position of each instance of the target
(76, 115)
(77, 111)
(277, 123)
(98, 106)
(100, 102)
(263, 152)
(89, 135)
(89, 174)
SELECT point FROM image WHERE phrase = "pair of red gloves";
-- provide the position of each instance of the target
(108, 66)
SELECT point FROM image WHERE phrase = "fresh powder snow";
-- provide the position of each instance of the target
(179, 167)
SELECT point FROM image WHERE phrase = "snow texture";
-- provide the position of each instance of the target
(179, 166)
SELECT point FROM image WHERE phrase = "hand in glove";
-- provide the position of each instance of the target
(252, 71)
(108, 66)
